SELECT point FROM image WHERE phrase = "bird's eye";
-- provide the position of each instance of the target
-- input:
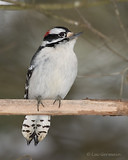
(62, 34)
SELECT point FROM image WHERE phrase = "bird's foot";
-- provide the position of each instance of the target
(58, 98)
(39, 101)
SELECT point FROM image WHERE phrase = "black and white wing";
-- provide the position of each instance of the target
(28, 76)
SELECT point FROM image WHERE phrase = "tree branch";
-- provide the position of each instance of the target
(68, 107)
(55, 6)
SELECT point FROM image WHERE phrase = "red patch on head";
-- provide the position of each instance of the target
(46, 33)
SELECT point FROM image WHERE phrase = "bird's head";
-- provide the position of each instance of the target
(58, 35)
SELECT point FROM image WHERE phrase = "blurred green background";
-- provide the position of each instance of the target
(102, 53)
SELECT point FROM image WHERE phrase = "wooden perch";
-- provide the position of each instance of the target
(68, 107)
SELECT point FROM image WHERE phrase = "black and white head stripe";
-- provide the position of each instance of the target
(55, 36)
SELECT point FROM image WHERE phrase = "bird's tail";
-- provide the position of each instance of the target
(35, 128)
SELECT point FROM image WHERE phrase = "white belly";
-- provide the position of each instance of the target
(53, 76)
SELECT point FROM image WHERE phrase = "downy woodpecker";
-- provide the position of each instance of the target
(51, 74)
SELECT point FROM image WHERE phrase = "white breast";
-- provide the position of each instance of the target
(55, 72)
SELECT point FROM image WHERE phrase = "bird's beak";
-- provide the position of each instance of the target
(72, 35)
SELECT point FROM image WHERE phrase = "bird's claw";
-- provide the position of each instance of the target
(39, 101)
(58, 99)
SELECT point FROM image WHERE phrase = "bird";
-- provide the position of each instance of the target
(52, 72)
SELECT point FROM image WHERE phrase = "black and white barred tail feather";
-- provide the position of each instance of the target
(35, 128)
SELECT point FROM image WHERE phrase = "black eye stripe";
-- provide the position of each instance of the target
(51, 37)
